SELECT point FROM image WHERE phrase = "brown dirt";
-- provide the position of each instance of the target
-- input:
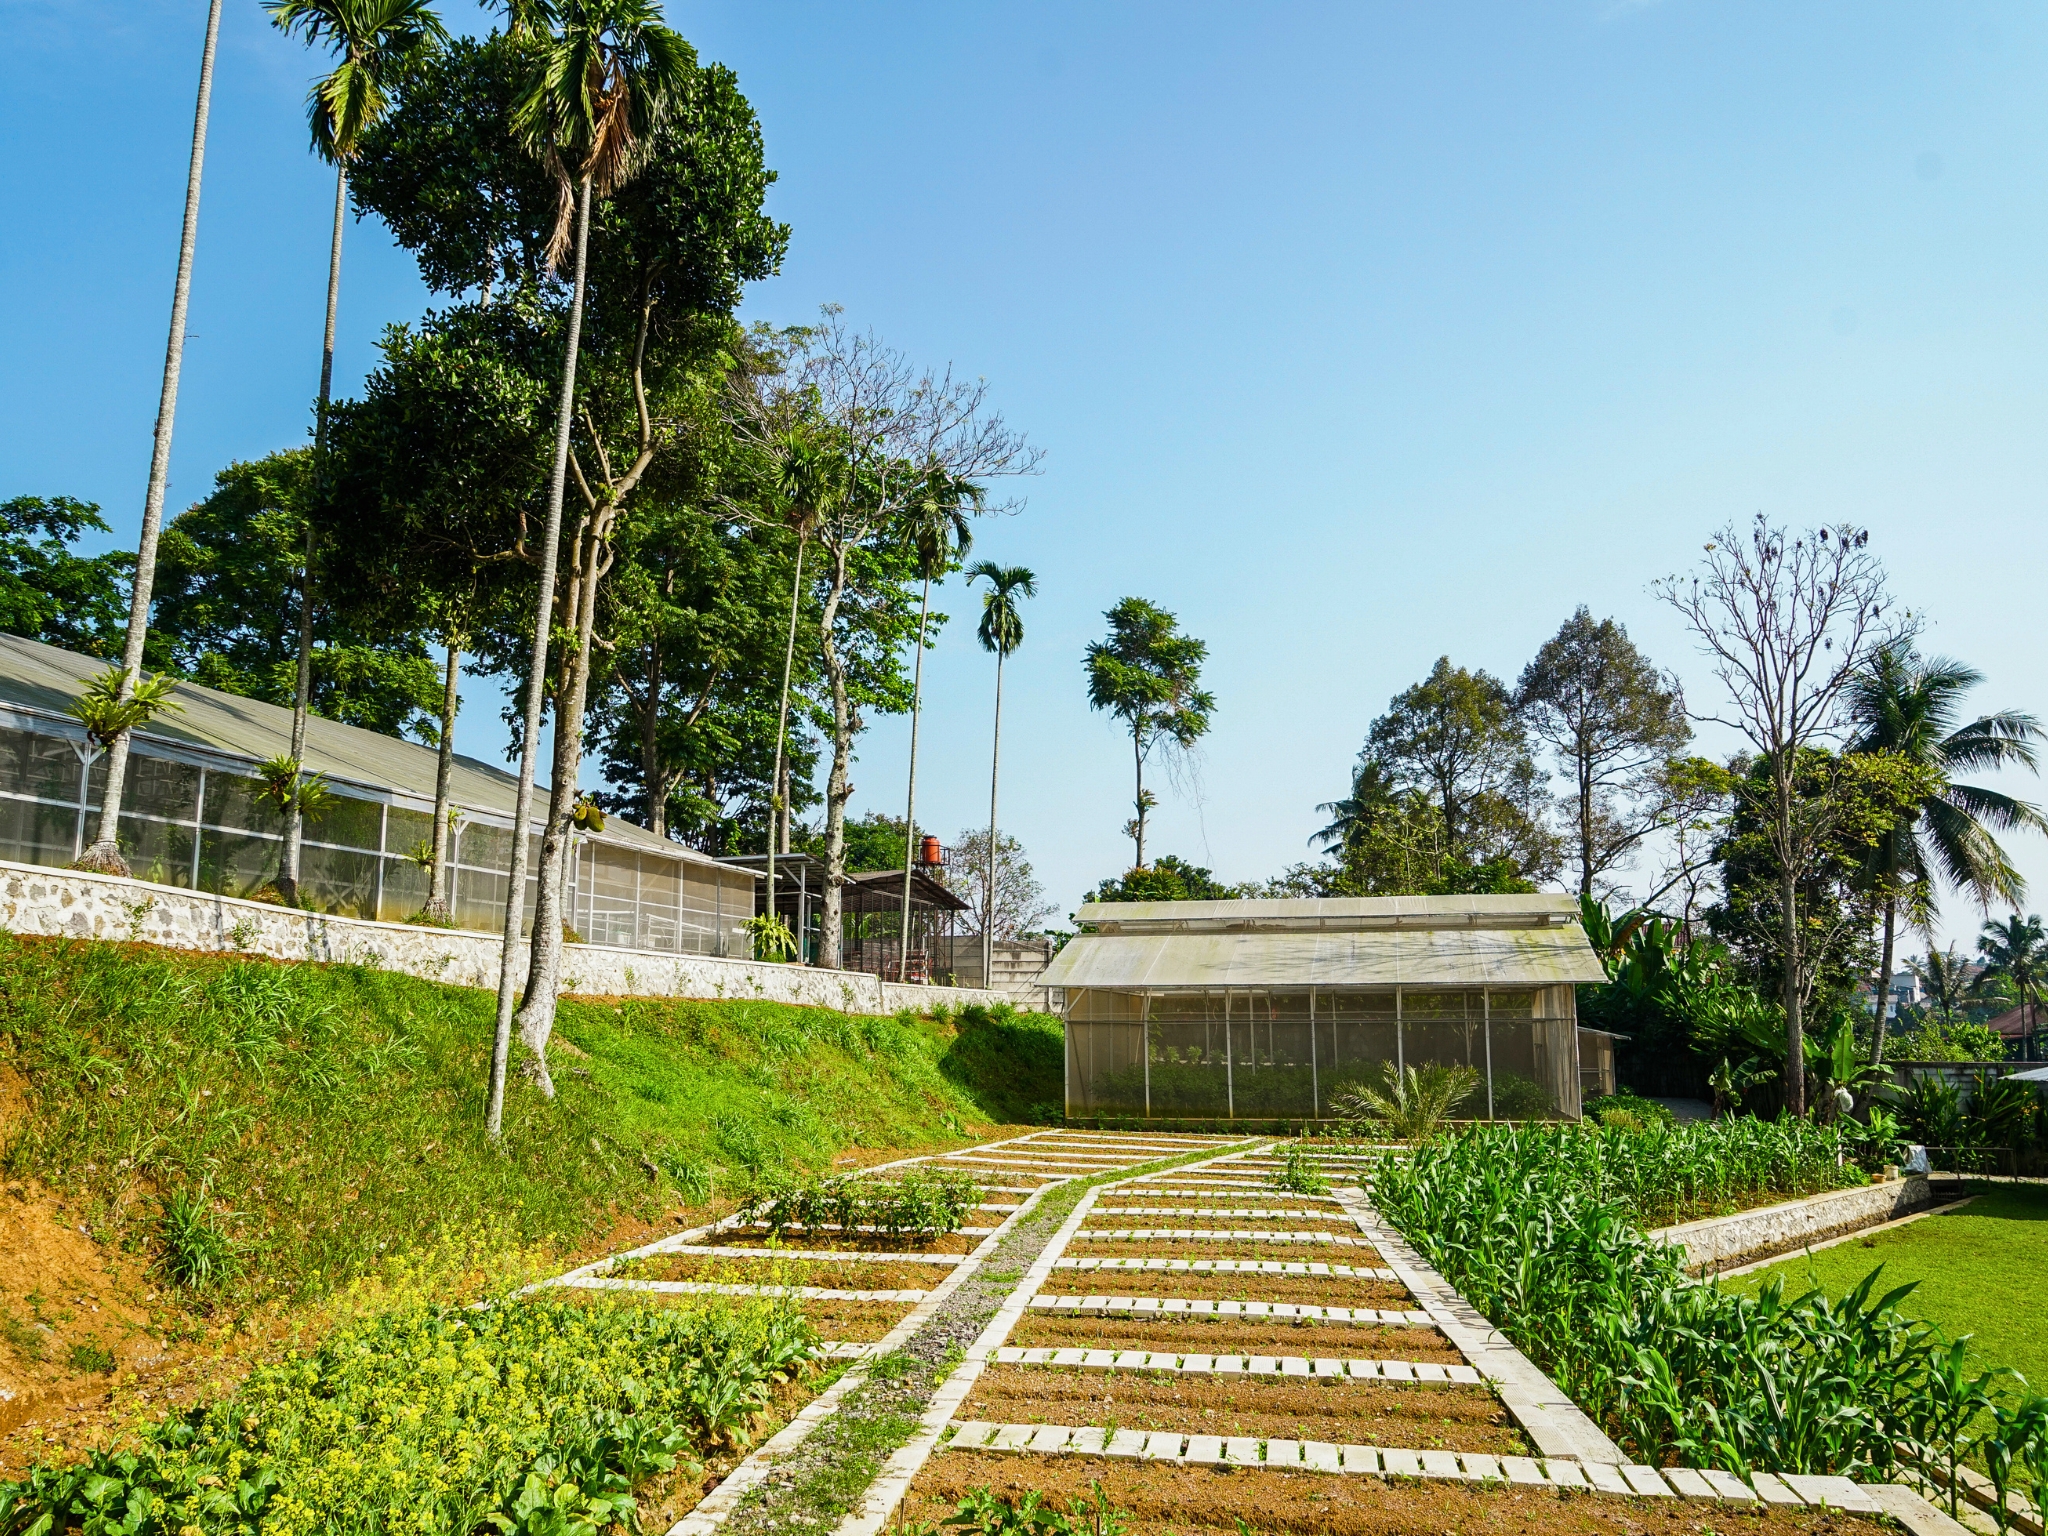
(1259, 1336)
(853, 1322)
(878, 1275)
(1320, 1290)
(1218, 1248)
(844, 1242)
(1201, 1501)
(1349, 1412)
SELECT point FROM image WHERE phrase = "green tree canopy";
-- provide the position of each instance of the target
(1167, 878)
(52, 594)
(1148, 675)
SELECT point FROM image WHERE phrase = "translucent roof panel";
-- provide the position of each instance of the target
(1331, 913)
(1420, 957)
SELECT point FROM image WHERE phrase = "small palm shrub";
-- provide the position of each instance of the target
(1410, 1105)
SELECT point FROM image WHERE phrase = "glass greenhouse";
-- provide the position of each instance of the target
(193, 814)
(1271, 1009)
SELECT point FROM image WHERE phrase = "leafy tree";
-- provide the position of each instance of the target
(1613, 721)
(104, 854)
(373, 39)
(50, 594)
(1167, 878)
(1455, 739)
(1906, 705)
(229, 568)
(1390, 841)
(1001, 631)
(1787, 624)
(1844, 804)
(1148, 675)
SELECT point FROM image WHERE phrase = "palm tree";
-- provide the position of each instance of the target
(2017, 949)
(936, 525)
(105, 853)
(1908, 705)
(1945, 976)
(811, 476)
(372, 37)
(1001, 631)
(596, 90)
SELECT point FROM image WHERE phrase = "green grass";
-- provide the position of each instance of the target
(1979, 1272)
(329, 1119)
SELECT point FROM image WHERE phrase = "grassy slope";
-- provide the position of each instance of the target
(1979, 1272)
(334, 1113)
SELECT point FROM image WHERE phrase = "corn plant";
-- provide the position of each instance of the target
(921, 1204)
(1540, 1228)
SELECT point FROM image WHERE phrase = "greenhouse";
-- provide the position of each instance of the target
(194, 814)
(1271, 1009)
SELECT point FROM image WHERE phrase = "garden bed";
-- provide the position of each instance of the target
(1440, 1417)
(1209, 1336)
(1222, 1248)
(833, 1240)
(1170, 1500)
(1229, 1285)
(840, 1274)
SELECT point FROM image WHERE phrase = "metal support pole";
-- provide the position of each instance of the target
(1315, 1090)
(1486, 1017)
(1229, 1083)
(1400, 1054)
(1145, 1045)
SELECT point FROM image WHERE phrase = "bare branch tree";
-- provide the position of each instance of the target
(898, 425)
(1786, 622)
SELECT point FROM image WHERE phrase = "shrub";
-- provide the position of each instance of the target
(1409, 1105)
(1299, 1173)
(1627, 1112)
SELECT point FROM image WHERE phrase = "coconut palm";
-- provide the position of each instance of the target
(105, 853)
(2017, 950)
(936, 526)
(597, 89)
(1001, 631)
(372, 39)
(1908, 705)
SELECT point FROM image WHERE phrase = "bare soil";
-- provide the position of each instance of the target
(1208, 1336)
(1214, 1248)
(1202, 1501)
(1229, 1285)
(1416, 1417)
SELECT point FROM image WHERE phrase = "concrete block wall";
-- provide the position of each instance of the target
(1720, 1242)
(61, 903)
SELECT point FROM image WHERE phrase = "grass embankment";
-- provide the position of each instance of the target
(1977, 1271)
(299, 1124)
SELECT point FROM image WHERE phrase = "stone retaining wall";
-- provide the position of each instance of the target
(63, 903)
(1720, 1242)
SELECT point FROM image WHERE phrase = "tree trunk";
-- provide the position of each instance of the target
(1884, 980)
(302, 692)
(1138, 763)
(536, 1017)
(536, 681)
(1795, 1037)
(910, 800)
(838, 791)
(105, 853)
(778, 787)
(436, 909)
(1585, 821)
(654, 781)
(988, 892)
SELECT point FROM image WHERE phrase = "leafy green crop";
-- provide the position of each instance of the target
(530, 1417)
(1538, 1228)
(922, 1204)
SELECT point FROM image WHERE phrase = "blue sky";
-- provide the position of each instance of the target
(1354, 334)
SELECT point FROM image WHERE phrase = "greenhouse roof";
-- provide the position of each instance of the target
(1331, 914)
(1471, 956)
(46, 680)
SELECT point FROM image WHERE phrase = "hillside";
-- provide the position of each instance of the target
(297, 1126)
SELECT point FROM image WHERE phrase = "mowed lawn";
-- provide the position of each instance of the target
(1980, 1271)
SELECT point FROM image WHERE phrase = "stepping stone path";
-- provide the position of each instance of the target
(1227, 1201)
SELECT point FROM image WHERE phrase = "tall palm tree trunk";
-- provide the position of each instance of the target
(988, 897)
(294, 821)
(778, 787)
(444, 779)
(1138, 762)
(105, 852)
(1884, 979)
(536, 680)
(910, 800)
